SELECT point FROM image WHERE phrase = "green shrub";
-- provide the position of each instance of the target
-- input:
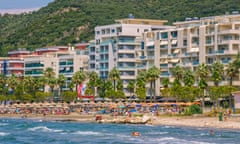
(193, 109)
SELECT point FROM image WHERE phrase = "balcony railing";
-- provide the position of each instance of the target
(34, 65)
(66, 63)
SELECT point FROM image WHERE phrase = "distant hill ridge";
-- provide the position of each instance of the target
(73, 21)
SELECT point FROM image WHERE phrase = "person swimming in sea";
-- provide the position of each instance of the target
(136, 133)
(211, 132)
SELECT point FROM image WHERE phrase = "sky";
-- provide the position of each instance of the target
(23, 4)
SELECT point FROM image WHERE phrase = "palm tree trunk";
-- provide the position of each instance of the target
(154, 87)
(230, 96)
(151, 91)
(114, 86)
(203, 105)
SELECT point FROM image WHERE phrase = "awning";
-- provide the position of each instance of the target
(174, 60)
(174, 41)
(163, 42)
(194, 50)
(163, 61)
(151, 43)
(176, 51)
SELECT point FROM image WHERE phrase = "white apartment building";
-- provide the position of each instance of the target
(116, 46)
(65, 62)
(192, 42)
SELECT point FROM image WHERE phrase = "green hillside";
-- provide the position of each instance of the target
(73, 21)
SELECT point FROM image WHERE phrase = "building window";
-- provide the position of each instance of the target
(113, 30)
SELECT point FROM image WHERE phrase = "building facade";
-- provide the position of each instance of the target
(115, 46)
(192, 42)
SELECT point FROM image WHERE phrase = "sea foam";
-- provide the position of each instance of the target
(87, 133)
(43, 129)
(3, 124)
(3, 134)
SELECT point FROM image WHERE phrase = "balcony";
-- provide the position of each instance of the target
(229, 31)
(103, 68)
(164, 74)
(66, 63)
(141, 67)
(228, 41)
(163, 65)
(34, 73)
(127, 42)
(142, 57)
(103, 60)
(126, 67)
(150, 57)
(225, 61)
(126, 51)
(209, 42)
(31, 65)
(127, 76)
(103, 52)
(195, 63)
(126, 59)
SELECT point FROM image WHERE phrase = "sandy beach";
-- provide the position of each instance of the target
(188, 121)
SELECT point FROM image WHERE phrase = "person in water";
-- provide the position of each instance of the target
(211, 132)
(136, 134)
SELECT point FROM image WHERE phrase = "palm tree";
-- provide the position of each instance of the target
(165, 82)
(61, 81)
(231, 72)
(217, 69)
(152, 75)
(130, 87)
(140, 85)
(12, 82)
(42, 82)
(202, 74)
(166, 90)
(52, 82)
(114, 75)
(2, 83)
(188, 78)
(49, 72)
(236, 62)
(177, 73)
(94, 81)
(78, 78)
(28, 84)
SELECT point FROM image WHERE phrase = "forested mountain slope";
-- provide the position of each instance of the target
(73, 21)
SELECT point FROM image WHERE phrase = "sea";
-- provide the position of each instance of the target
(36, 131)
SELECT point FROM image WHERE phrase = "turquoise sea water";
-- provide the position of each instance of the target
(25, 131)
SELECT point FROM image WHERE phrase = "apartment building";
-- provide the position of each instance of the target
(115, 46)
(63, 62)
(192, 42)
(14, 63)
